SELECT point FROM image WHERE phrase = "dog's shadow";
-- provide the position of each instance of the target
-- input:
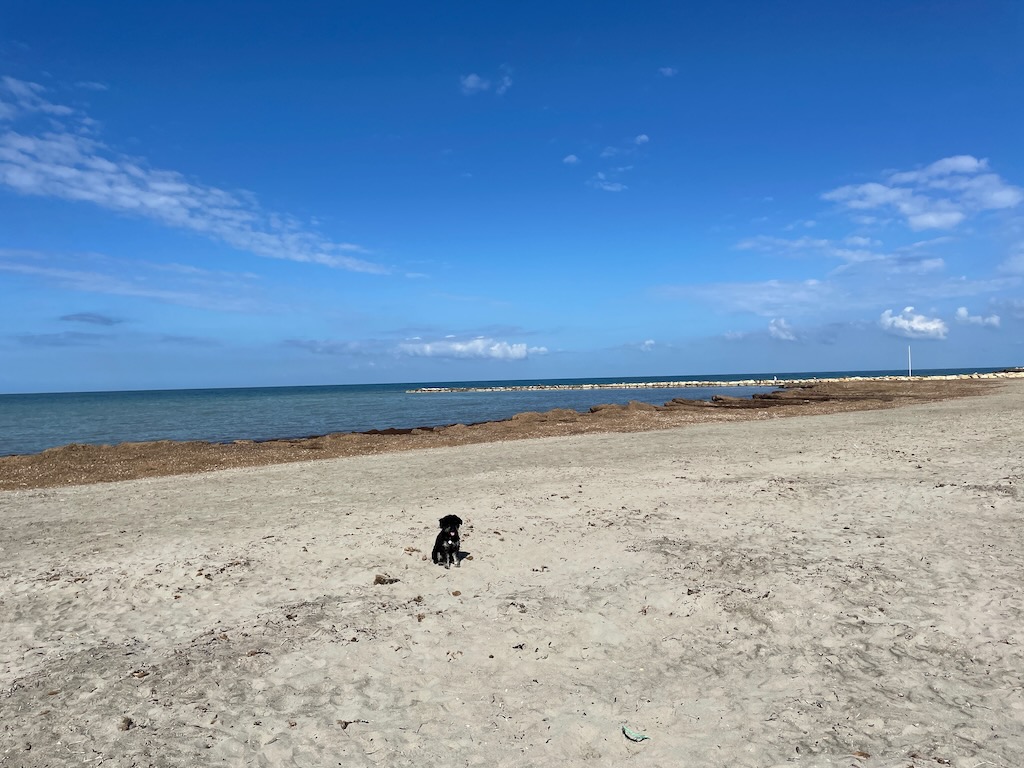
(460, 556)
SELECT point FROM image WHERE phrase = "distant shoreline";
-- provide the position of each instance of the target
(1010, 373)
(79, 464)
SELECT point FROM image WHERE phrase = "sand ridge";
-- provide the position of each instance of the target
(835, 589)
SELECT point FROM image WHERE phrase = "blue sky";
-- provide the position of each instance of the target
(255, 194)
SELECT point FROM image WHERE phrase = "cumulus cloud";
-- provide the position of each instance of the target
(779, 329)
(939, 196)
(647, 346)
(570, 160)
(473, 84)
(481, 347)
(61, 163)
(642, 139)
(668, 71)
(912, 325)
(966, 318)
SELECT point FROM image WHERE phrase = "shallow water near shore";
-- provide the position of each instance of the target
(32, 423)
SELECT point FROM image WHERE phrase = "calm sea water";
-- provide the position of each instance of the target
(33, 423)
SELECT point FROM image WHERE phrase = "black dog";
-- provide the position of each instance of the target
(446, 547)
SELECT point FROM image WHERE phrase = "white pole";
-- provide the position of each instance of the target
(910, 365)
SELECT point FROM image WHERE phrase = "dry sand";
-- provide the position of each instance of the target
(834, 590)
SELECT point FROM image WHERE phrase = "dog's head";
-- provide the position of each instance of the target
(450, 524)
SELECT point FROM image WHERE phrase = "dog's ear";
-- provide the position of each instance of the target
(440, 523)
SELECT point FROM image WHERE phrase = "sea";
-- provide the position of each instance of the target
(31, 423)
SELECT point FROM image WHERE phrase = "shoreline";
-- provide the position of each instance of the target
(78, 464)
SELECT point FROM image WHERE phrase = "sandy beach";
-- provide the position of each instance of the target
(827, 589)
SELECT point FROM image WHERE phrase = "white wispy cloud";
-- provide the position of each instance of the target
(801, 224)
(941, 168)
(912, 325)
(480, 347)
(19, 98)
(668, 71)
(1015, 307)
(930, 242)
(92, 85)
(912, 264)
(602, 182)
(647, 345)
(345, 348)
(62, 163)
(779, 329)
(503, 84)
(960, 287)
(939, 196)
(94, 273)
(768, 298)
(850, 249)
(473, 84)
(570, 160)
(861, 242)
(771, 243)
(1014, 263)
(966, 318)
(608, 179)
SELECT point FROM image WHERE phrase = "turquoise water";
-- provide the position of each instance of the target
(33, 423)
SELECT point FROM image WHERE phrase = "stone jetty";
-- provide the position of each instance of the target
(1013, 373)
